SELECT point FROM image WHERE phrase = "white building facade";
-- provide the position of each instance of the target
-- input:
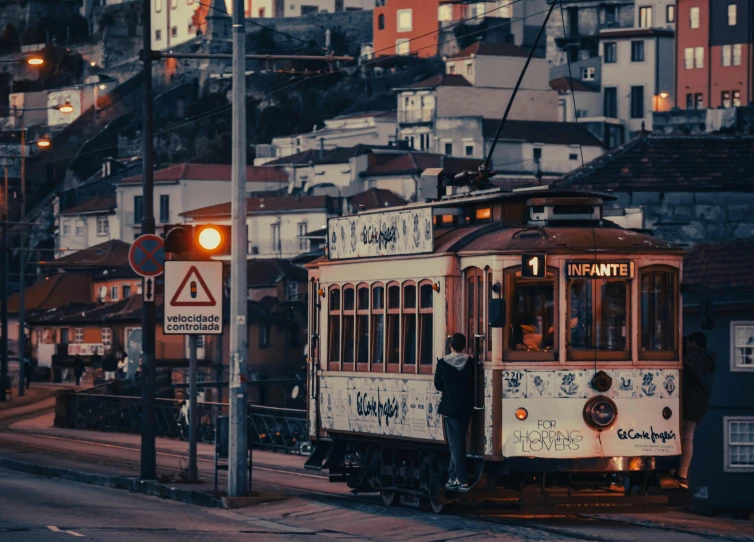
(90, 223)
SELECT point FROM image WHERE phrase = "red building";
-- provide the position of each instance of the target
(714, 53)
(406, 27)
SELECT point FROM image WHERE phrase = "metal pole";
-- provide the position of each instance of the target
(148, 419)
(193, 473)
(22, 278)
(237, 461)
(4, 282)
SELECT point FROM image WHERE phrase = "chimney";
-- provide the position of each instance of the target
(321, 147)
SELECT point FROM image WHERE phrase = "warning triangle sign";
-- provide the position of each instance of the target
(193, 291)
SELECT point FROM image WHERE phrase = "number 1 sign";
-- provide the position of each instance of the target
(533, 265)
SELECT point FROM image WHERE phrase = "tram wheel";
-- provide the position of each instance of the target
(390, 498)
(434, 504)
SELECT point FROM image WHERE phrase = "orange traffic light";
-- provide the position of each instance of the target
(199, 241)
(209, 237)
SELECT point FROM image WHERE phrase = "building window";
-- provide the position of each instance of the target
(587, 74)
(138, 209)
(126, 290)
(688, 58)
(537, 154)
(402, 47)
(732, 14)
(742, 346)
(645, 17)
(637, 102)
(276, 243)
(725, 99)
(102, 295)
(445, 13)
(637, 51)
(114, 293)
(658, 303)
(64, 336)
(451, 68)
(107, 337)
(381, 22)
(424, 141)
(694, 17)
(303, 243)
(736, 98)
(158, 35)
(79, 228)
(611, 15)
(611, 102)
(405, 23)
(727, 55)
(164, 209)
(739, 444)
(103, 226)
(469, 150)
(469, 68)
(264, 335)
(158, 5)
(78, 335)
(670, 13)
(699, 57)
(698, 100)
(573, 156)
(611, 52)
(448, 149)
(261, 13)
(174, 32)
(737, 54)
(66, 228)
(173, 4)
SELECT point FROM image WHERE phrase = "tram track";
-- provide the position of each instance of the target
(508, 518)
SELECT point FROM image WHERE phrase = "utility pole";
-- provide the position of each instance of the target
(4, 284)
(22, 278)
(148, 419)
(237, 464)
(193, 472)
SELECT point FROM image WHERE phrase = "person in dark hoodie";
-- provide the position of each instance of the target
(699, 366)
(454, 377)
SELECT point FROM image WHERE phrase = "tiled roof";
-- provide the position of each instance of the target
(443, 80)
(264, 205)
(535, 131)
(415, 162)
(376, 198)
(55, 291)
(491, 49)
(110, 254)
(724, 270)
(671, 164)
(210, 172)
(562, 84)
(270, 271)
(337, 155)
(95, 205)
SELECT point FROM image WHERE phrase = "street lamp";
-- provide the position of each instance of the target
(65, 108)
(35, 61)
(43, 143)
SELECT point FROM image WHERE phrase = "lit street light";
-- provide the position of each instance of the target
(43, 143)
(65, 108)
(35, 61)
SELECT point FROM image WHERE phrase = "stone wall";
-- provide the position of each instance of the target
(687, 218)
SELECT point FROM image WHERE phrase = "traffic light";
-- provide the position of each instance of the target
(199, 241)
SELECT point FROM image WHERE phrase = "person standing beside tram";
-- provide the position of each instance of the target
(699, 366)
(454, 377)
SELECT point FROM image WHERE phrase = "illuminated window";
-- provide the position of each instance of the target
(598, 318)
(445, 13)
(484, 213)
(659, 307)
(645, 17)
(333, 309)
(736, 98)
(725, 98)
(742, 346)
(409, 328)
(377, 333)
(405, 23)
(670, 13)
(732, 14)
(532, 330)
(402, 47)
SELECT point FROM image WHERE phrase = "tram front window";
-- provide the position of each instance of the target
(532, 313)
(598, 316)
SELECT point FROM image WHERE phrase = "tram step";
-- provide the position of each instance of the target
(318, 456)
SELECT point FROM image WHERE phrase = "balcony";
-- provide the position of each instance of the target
(414, 116)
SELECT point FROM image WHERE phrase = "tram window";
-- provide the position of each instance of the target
(532, 315)
(488, 342)
(378, 324)
(393, 326)
(598, 317)
(348, 327)
(409, 328)
(334, 325)
(425, 325)
(474, 306)
(658, 310)
(362, 327)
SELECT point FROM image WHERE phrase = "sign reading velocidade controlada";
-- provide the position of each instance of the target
(388, 233)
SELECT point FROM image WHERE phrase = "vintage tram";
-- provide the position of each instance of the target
(574, 323)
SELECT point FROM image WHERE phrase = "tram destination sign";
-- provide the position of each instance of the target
(389, 233)
(599, 269)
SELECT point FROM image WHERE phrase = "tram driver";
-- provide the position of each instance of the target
(454, 377)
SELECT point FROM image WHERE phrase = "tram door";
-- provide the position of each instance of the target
(478, 345)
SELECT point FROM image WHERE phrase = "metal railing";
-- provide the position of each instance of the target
(278, 429)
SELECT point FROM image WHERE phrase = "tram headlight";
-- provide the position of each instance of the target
(521, 413)
(667, 413)
(600, 413)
